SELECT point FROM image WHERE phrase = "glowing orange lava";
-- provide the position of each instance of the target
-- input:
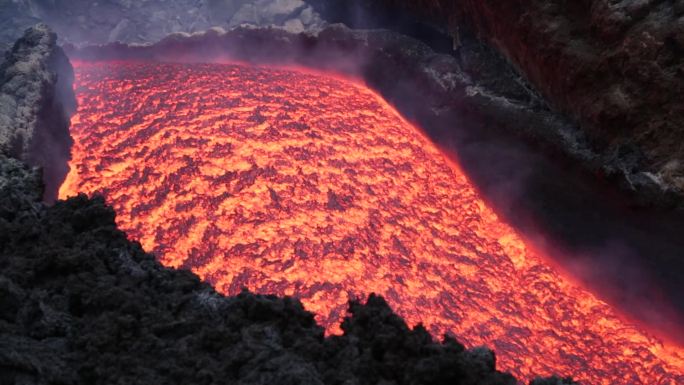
(304, 184)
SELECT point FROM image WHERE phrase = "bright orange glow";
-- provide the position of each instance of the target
(303, 184)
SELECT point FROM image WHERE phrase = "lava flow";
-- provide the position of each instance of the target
(294, 183)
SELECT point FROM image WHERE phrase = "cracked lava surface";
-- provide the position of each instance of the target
(297, 183)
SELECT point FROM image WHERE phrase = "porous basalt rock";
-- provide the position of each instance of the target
(36, 103)
(80, 304)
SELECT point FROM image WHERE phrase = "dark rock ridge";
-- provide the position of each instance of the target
(36, 103)
(615, 66)
(80, 304)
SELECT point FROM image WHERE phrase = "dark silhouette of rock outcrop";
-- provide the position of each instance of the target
(37, 101)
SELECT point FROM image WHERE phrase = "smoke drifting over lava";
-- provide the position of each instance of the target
(304, 184)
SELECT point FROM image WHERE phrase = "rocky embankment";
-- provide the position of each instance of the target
(36, 104)
(617, 67)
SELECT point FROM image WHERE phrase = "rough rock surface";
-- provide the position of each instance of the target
(36, 103)
(80, 304)
(615, 66)
(133, 21)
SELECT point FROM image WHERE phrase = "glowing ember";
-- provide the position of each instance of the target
(301, 184)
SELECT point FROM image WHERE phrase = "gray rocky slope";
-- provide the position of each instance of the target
(128, 21)
(81, 304)
(36, 103)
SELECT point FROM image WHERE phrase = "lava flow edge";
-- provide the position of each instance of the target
(314, 186)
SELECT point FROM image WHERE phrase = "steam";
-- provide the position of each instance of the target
(628, 256)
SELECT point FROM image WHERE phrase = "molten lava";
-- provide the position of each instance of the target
(303, 184)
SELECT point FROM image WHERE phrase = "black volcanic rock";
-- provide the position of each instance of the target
(20, 188)
(37, 101)
(80, 304)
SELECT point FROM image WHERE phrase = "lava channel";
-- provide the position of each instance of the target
(296, 183)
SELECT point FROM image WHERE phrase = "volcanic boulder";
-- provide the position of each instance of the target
(36, 103)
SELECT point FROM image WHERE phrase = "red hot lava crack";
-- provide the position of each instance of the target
(294, 183)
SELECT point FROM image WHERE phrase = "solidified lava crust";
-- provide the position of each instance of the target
(297, 183)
